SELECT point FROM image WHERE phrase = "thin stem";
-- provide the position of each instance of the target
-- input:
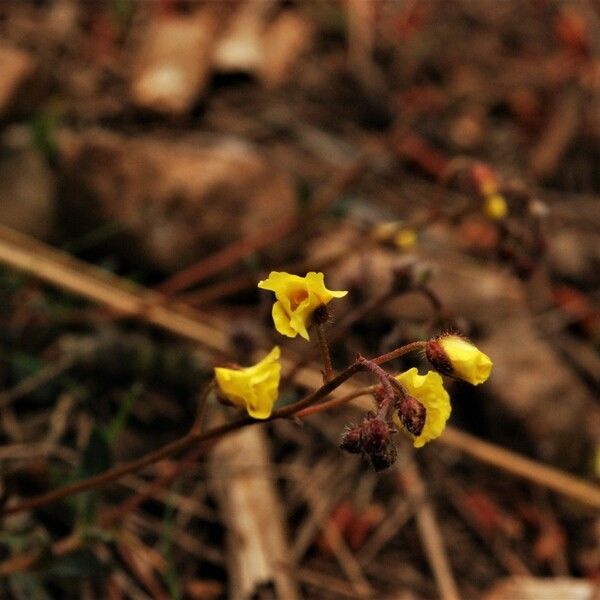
(334, 402)
(193, 437)
(398, 352)
(179, 445)
(384, 377)
(325, 354)
(340, 329)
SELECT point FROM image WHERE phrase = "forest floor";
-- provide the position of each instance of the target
(438, 160)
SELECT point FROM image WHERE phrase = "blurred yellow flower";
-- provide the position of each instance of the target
(405, 239)
(254, 388)
(465, 360)
(495, 207)
(429, 390)
(296, 300)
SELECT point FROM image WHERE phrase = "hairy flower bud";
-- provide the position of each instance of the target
(351, 440)
(454, 355)
(375, 435)
(385, 458)
(412, 414)
(438, 358)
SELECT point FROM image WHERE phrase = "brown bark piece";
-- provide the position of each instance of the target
(17, 68)
(559, 133)
(240, 48)
(174, 62)
(257, 547)
(284, 41)
(173, 197)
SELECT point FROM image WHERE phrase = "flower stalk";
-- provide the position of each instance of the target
(325, 354)
(188, 440)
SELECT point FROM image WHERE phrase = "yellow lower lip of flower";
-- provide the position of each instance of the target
(405, 239)
(253, 388)
(296, 299)
(495, 207)
(430, 392)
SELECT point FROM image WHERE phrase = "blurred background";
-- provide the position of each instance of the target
(439, 160)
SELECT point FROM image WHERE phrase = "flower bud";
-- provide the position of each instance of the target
(351, 440)
(412, 414)
(437, 357)
(455, 356)
(385, 458)
(375, 435)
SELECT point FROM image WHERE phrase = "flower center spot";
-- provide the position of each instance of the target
(297, 298)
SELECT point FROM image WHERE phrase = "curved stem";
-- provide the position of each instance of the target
(194, 437)
(334, 402)
(325, 354)
(398, 352)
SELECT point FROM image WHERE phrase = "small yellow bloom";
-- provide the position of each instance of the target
(296, 300)
(429, 390)
(254, 388)
(466, 360)
(384, 232)
(495, 207)
(405, 239)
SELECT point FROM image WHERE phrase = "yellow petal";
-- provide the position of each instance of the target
(296, 300)
(495, 207)
(430, 392)
(405, 239)
(254, 388)
(281, 321)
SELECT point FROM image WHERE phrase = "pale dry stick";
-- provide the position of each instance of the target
(28, 255)
(138, 567)
(431, 537)
(532, 470)
(251, 511)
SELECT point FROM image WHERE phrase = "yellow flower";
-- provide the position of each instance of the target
(453, 355)
(254, 388)
(495, 207)
(296, 300)
(405, 239)
(430, 392)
